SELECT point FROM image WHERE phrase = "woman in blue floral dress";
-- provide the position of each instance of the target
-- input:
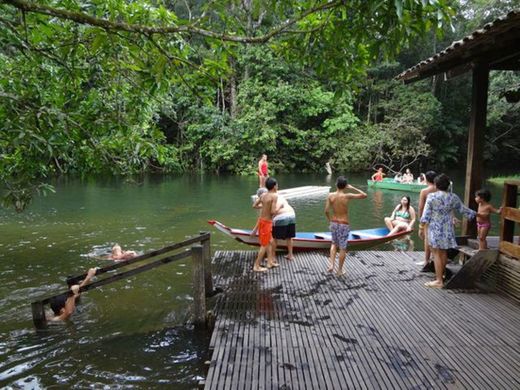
(438, 214)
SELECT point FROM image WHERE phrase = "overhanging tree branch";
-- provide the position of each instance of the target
(83, 18)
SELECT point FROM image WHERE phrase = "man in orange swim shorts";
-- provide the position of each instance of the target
(265, 231)
(265, 225)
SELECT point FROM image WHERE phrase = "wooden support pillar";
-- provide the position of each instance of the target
(38, 314)
(507, 229)
(208, 276)
(199, 294)
(477, 126)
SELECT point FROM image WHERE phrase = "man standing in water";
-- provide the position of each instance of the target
(423, 234)
(265, 225)
(339, 222)
(263, 171)
(64, 305)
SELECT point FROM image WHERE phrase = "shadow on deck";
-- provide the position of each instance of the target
(296, 327)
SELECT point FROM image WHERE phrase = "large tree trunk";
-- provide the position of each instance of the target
(233, 89)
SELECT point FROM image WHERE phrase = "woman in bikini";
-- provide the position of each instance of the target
(482, 197)
(402, 218)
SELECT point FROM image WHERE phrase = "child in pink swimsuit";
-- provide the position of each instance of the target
(482, 197)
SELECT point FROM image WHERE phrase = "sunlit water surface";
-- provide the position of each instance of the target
(133, 333)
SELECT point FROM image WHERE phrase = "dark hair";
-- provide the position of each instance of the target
(341, 182)
(442, 182)
(270, 183)
(430, 176)
(407, 206)
(484, 194)
(58, 303)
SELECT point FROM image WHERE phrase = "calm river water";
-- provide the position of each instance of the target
(131, 333)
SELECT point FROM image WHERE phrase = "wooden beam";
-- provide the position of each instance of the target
(511, 214)
(38, 314)
(457, 71)
(123, 263)
(510, 249)
(476, 132)
(125, 274)
(208, 276)
(507, 228)
(199, 294)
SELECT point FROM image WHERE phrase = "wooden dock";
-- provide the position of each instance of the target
(296, 327)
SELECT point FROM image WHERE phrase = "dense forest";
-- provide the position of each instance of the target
(129, 87)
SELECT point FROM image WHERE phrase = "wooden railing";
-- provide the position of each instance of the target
(201, 270)
(510, 217)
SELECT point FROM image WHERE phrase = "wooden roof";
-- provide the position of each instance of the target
(496, 45)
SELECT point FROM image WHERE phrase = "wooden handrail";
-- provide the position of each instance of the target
(123, 263)
(199, 253)
(512, 182)
(510, 216)
(124, 274)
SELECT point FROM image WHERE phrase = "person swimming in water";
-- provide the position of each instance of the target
(119, 254)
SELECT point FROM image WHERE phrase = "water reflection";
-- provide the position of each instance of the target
(119, 326)
(403, 244)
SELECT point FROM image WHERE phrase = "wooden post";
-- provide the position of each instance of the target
(38, 313)
(199, 295)
(208, 276)
(507, 228)
(477, 126)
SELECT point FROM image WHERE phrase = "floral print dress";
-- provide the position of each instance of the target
(438, 215)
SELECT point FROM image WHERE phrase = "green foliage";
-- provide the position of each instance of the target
(503, 136)
(501, 179)
(87, 86)
(298, 124)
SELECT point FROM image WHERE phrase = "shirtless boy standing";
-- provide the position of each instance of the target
(339, 224)
(265, 225)
(423, 234)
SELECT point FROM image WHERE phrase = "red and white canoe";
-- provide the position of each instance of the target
(358, 239)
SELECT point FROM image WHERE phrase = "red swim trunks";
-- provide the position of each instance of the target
(265, 230)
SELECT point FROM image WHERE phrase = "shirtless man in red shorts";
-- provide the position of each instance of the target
(265, 225)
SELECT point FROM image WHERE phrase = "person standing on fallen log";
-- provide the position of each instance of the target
(263, 171)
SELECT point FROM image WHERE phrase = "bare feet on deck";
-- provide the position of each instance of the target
(330, 269)
(289, 257)
(340, 273)
(273, 265)
(260, 269)
(433, 284)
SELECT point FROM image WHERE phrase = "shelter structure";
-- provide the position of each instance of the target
(496, 46)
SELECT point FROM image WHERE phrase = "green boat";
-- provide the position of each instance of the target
(391, 184)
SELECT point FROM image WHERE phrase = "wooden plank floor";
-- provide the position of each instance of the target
(296, 327)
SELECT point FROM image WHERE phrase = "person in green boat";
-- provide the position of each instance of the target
(378, 176)
(407, 177)
(402, 218)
